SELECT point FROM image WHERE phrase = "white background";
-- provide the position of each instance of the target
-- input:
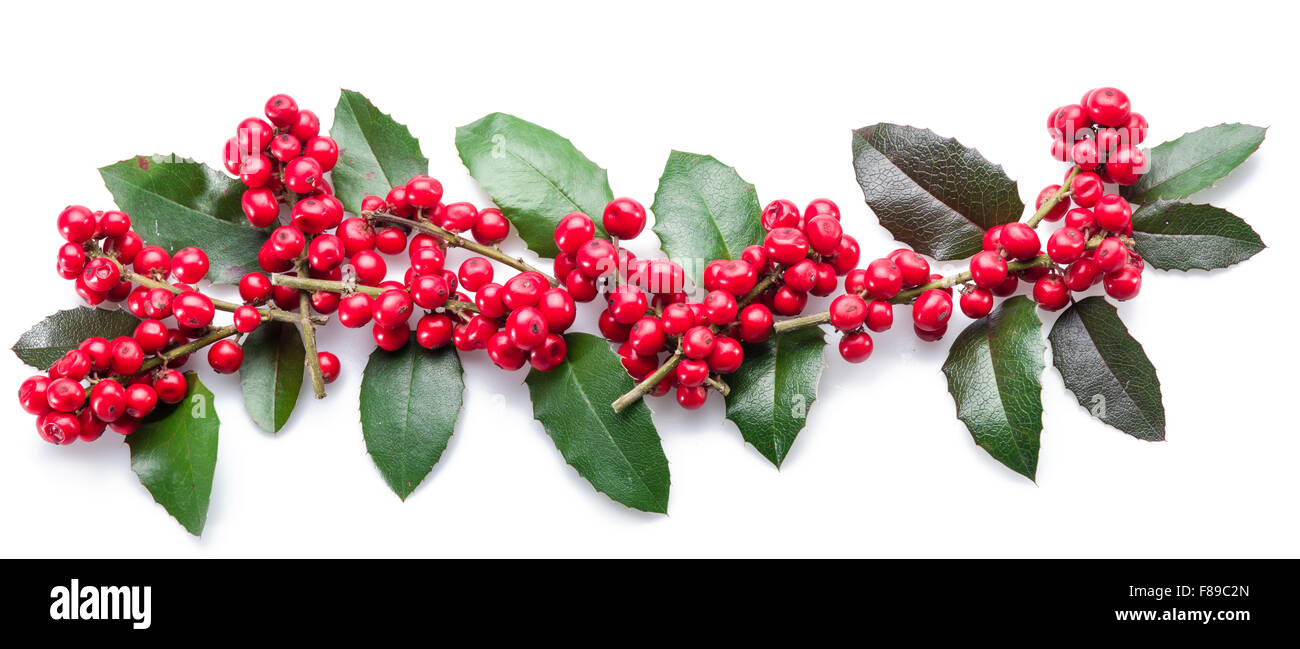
(883, 469)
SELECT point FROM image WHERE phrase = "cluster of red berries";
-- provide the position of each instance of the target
(649, 312)
(866, 304)
(100, 250)
(518, 322)
(1100, 135)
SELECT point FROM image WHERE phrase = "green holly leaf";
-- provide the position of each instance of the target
(376, 153)
(774, 388)
(410, 399)
(535, 176)
(1173, 235)
(271, 374)
(703, 211)
(930, 192)
(1195, 161)
(618, 453)
(48, 340)
(1107, 370)
(175, 202)
(174, 453)
(993, 371)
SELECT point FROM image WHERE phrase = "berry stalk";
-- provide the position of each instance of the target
(1046, 207)
(309, 334)
(641, 389)
(456, 241)
(311, 285)
(186, 349)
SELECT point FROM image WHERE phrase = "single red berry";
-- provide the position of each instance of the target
(914, 267)
(491, 228)
(311, 216)
(324, 150)
(59, 427)
(370, 267)
(612, 329)
(1082, 274)
(390, 340)
(423, 192)
(170, 385)
(325, 301)
(65, 395)
(856, 347)
(400, 205)
(647, 336)
(1111, 255)
(1086, 189)
(821, 207)
(97, 351)
(127, 355)
(677, 318)
(692, 372)
(1084, 154)
(988, 269)
(141, 399)
(193, 309)
(108, 400)
(824, 234)
(225, 357)
(581, 287)
(727, 355)
(255, 170)
(781, 213)
(434, 331)
(976, 303)
(930, 336)
(802, 276)
(756, 256)
(1123, 284)
(736, 277)
(627, 304)
(459, 217)
(848, 312)
(282, 110)
(691, 398)
(190, 264)
(125, 425)
(755, 323)
(32, 395)
(287, 242)
(1108, 107)
(112, 224)
(91, 426)
(101, 274)
(884, 279)
(563, 265)
(77, 224)
(1126, 165)
(1065, 245)
(558, 309)
(993, 238)
(428, 260)
(247, 319)
(1135, 129)
(1006, 288)
(880, 315)
(152, 335)
(785, 246)
(1020, 241)
(392, 309)
(697, 342)
(787, 301)
(269, 262)
(932, 310)
(1070, 122)
(525, 289)
(491, 301)
(1050, 292)
(721, 307)
(329, 366)
(596, 258)
(430, 291)
(504, 353)
(356, 235)
(260, 206)
(527, 327)
(254, 288)
(1060, 148)
(285, 147)
(624, 218)
(1113, 213)
(1058, 210)
(1081, 219)
(574, 230)
(284, 297)
(91, 296)
(71, 261)
(302, 175)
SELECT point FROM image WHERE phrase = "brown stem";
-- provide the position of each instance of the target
(188, 348)
(347, 287)
(456, 241)
(309, 335)
(639, 390)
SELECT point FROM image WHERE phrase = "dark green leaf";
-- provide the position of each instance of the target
(51, 338)
(175, 454)
(773, 390)
(993, 372)
(1107, 370)
(534, 175)
(704, 211)
(618, 453)
(376, 153)
(271, 374)
(930, 192)
(174, 203)
(1195, 161)
(410, 400)
(1182, 236)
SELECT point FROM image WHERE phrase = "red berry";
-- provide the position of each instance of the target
(932, 310)
(91, 426)
(856, 347)
(141, 398)
(65, 395)
(302, 175)
(269, 262)
(1123, 284)
(988, 269)
(329, 366)
(802, 276)
(827, 280)
(1020, 241)
(756, 256)
(1086, 189)
(77, 224)
(127, 355)
(677, 318)
(225, 357)
(627, 304)
(781, 214)
(1108, 106)
(324, 150)
(98, 350)
(558, 309)
(647, 336)
(736, 277)
(282, 110)
(727, 355)
(697, 342)
(390, 340)
(785, 246)
(1081, 219)
(976, 303)
(152, 335)
(624, 218)
(821, 207)
(392, 309)
(190, 264)
(170, 385)
(930, 336)
(692, 372)
(247, 319)
(720, 307)
(1111, 255)
(491, 228)
(325, 301)
(1126, 165)
(691, 398)
(429, 291)
(612, 329)
(423, 192)
(1085, 155)
(1069, 121)
(527, 327)
(72, 259)
(113, 224)
(504, 353)
(880, 315)
(59, 427)
(193, 309)
(824, 234)
(255, 170)
(1113, 213)
(370, 267)
(848, 312)
(311, 216)
(287, 242)
(101, 275)
(1082, 274)
(459, 217)
(285, 147)
(125, 425)
(1057, 210)
(884, 279)
(1050, 292)
(108, 399)
(1060, 148)
(1136, 128)
(490, 300)
(574, 230)
(428, 260)
(787, 301)
(525, 289)
(581, 287)
(993, 238)
(1065, 245)
(596, 258)
(755, 323)
(1006, 288)
(434, 331)
(914, 267)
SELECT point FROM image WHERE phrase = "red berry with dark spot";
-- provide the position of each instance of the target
(108, 400)
(141, 398)
(697, 342)
(932, 310)
(1050, 292)
(170, 385)
(976, 303)
(1065, 245)
(1111, 255)
(225, 357)
(785, 246)
(824, 234)
(856, 347)
(781, 214)
(1082, 274)
(77, 224)
(1020, 241)
(527, 327)
(624, 218)
(880, 315)
(434, 331)
(647, 336)
(193, 309)
(988, 269)
(848, 312)
(1123, 284)
(884, 279)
